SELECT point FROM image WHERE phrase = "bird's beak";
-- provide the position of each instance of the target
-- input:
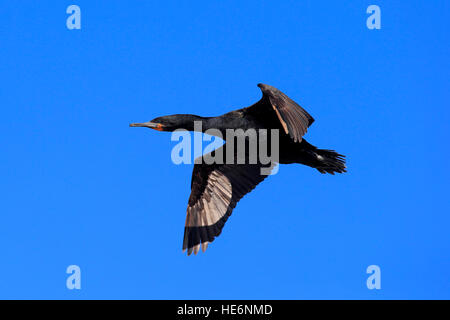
(151, 125)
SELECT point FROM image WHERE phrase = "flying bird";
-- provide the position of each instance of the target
(216, 188)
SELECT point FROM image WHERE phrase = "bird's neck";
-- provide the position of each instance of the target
(213, 125)
(203, 124)
(196, 123)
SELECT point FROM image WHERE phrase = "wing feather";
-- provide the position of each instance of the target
(215, 191)
(293, 118)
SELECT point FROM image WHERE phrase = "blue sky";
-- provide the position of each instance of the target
(81, 187)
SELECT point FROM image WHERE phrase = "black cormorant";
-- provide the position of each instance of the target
(216, 188)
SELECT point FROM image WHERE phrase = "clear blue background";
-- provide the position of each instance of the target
(78, 186)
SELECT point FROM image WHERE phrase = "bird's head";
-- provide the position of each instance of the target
(169, 123)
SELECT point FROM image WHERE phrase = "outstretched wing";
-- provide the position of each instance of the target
(294, 119)
(215, 191)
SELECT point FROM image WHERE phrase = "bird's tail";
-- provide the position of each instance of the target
(329, 161)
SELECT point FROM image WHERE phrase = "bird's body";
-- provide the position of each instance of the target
(216, 188)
